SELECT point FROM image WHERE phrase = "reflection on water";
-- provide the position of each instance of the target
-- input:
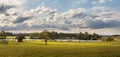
(61, 40)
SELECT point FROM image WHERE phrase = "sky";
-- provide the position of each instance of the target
(73, 16)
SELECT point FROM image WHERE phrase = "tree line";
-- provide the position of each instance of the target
(46, 35)
(55, 35)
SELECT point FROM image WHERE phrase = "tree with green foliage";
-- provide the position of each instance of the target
(53, 35)
(80, 36)
(94, 36)
(86, 36)
(34, 36)
(46, 35)
(20, 38)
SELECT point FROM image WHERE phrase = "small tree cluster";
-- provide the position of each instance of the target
(34, 35)
(20, 38)
(86, 36)
(106, 39)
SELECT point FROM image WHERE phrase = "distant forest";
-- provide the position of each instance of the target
(56, 35)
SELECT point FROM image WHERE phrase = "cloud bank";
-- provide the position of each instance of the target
(94, 18)
(14, 17)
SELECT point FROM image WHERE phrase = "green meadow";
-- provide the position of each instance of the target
(60, 49)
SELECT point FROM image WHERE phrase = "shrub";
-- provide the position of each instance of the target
(20, 38)
(106, 39)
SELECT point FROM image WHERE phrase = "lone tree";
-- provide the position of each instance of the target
(20, 38)
(46, 35)
(80, 36)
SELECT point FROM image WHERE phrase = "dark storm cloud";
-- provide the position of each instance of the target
(21, 19)
(4, 8)
(101, 24)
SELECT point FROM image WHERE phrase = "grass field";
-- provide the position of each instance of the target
(60, 49)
